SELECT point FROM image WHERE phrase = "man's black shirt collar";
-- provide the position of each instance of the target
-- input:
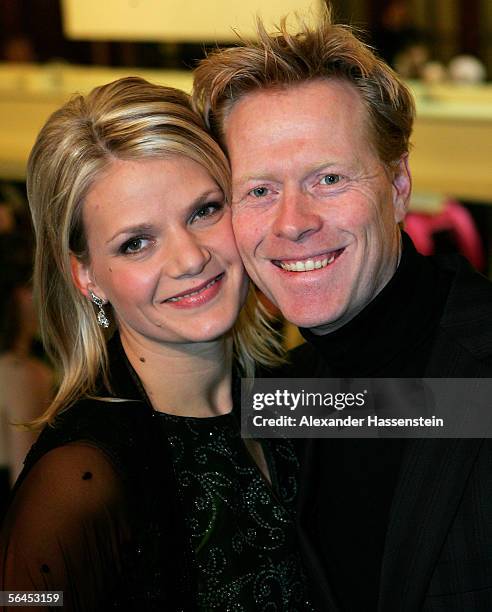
(395, 325)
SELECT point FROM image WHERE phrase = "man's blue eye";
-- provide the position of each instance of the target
(259, 192)
(330, 179)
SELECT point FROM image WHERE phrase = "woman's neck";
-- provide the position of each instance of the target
(184, 379)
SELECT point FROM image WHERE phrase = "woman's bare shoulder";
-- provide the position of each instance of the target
(77, 476)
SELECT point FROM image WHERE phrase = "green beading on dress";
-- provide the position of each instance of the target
(241, 527)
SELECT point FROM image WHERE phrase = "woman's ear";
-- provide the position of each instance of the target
(82, 278)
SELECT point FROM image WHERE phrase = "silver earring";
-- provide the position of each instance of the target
(102, 319)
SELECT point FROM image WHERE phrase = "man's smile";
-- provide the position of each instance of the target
(310, 263)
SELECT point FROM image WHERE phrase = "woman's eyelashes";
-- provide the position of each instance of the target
(135, 245)
(208, 211)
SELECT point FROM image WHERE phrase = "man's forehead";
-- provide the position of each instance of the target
(327, 109)
(310, 126)
(325, 92)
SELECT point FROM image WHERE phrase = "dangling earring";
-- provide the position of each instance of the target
(102, 319)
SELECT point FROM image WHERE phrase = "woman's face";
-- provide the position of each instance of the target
(162, 251)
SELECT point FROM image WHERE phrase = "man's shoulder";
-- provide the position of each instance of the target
(466, 282)
(467, 315)
(463, 342)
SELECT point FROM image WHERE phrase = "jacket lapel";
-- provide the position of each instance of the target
(434, 472)
(433, 476)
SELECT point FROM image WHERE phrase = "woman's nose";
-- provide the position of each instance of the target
(186, 255)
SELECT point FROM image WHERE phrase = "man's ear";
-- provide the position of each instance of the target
(82, 278)
(402, 187)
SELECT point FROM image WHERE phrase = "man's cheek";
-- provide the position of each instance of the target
(246, 235)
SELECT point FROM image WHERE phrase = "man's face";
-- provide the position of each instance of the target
(315, 211)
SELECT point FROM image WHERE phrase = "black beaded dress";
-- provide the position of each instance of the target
(122, 507)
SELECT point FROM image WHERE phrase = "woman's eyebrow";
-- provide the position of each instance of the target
(147, 227)
(131, 229)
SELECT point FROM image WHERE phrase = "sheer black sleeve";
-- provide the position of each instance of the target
(66, 529)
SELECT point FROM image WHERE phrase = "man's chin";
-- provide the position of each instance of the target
(314, 322)
(309, 312)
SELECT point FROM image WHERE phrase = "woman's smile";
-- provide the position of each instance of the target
(161, 247)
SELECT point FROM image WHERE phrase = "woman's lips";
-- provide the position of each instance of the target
(198, 296)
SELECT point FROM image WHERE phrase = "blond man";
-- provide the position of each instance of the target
(317, 132)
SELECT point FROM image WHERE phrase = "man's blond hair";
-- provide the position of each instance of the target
(284, 59)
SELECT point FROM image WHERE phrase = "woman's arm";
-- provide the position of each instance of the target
(66, 528)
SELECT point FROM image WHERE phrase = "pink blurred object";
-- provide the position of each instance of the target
(454, 218)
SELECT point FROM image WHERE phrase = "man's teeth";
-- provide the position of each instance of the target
(182, 297)
(307, 265)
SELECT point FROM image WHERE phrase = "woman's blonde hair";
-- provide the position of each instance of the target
(129, 119)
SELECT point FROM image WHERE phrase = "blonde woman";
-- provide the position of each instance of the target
(140, 493)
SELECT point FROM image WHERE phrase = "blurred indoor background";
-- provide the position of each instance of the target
(50, 49)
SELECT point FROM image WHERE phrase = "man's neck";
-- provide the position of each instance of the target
(332, 326)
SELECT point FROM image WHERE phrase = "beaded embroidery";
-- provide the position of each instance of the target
(240, 527)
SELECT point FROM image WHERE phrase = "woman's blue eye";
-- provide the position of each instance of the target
(134, 245)
(330, 179)
(208, 210)
(259, 192)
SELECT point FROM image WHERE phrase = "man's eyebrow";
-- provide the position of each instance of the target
(323, 166)
(266, 176)
(253, 177)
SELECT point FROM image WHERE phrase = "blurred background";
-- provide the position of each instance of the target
(50, 49)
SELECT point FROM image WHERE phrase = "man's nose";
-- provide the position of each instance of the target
(185, 254)
(296, 217)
